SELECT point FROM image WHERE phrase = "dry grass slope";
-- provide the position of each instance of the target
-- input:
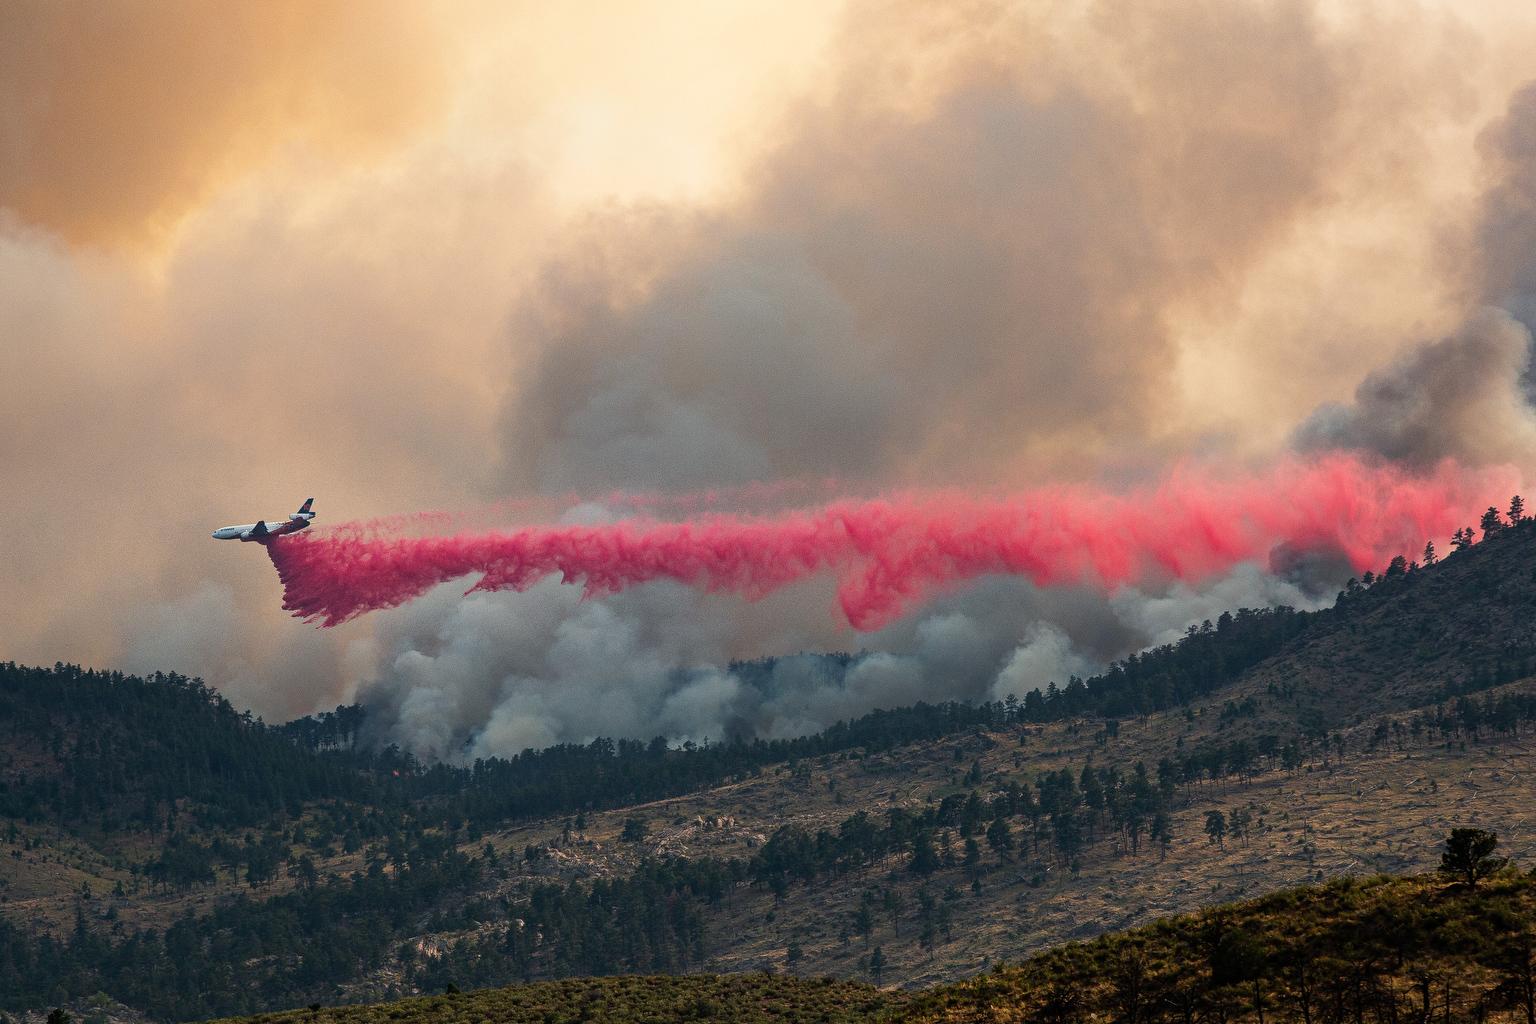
(1356, 951)
(730, 999)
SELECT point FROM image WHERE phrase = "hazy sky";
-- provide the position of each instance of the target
(409, 255)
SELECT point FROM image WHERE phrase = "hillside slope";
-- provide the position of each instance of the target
(1462, 625)
(942, 839)
(1375, 948)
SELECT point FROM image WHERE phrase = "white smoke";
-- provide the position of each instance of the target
(495, 674)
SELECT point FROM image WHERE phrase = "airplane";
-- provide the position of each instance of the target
(260, 532)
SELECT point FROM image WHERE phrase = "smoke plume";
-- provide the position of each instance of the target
(408, 256)
(1460, 397)
(965, 259)
(493, 674)
(1468, 395)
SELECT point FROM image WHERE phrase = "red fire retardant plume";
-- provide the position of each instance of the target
(890, 553)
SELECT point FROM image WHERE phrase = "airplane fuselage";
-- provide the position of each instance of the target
(246, 532)
(261, 531)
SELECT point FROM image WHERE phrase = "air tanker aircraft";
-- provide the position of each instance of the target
(260, 532)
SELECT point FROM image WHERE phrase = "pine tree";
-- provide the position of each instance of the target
(1430, 558)
(1162, 831)
(1469, 855)
(1216, 827)
(925, 859)
(1516, 509)
(892, 903)
(1491, 522)
(1000, 836)
(864, 921)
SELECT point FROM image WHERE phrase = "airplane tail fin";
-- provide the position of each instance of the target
(304, 509)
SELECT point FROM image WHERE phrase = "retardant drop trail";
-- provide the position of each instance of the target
(890, 553)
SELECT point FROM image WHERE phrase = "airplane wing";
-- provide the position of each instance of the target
(259, 530)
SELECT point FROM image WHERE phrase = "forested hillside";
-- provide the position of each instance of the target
(111, 751)
(114, 751)
(191, 861)
(1378, 949)
(1415, 634)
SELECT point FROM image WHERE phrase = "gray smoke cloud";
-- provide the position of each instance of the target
(1507, 237)
(210, 633)
(495, 674)
(1461, 397)
(955, 265)
(808, 339)
(952, 266)
(1467, 396)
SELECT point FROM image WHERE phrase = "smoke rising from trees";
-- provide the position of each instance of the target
(1093, 576)
(981, 245)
